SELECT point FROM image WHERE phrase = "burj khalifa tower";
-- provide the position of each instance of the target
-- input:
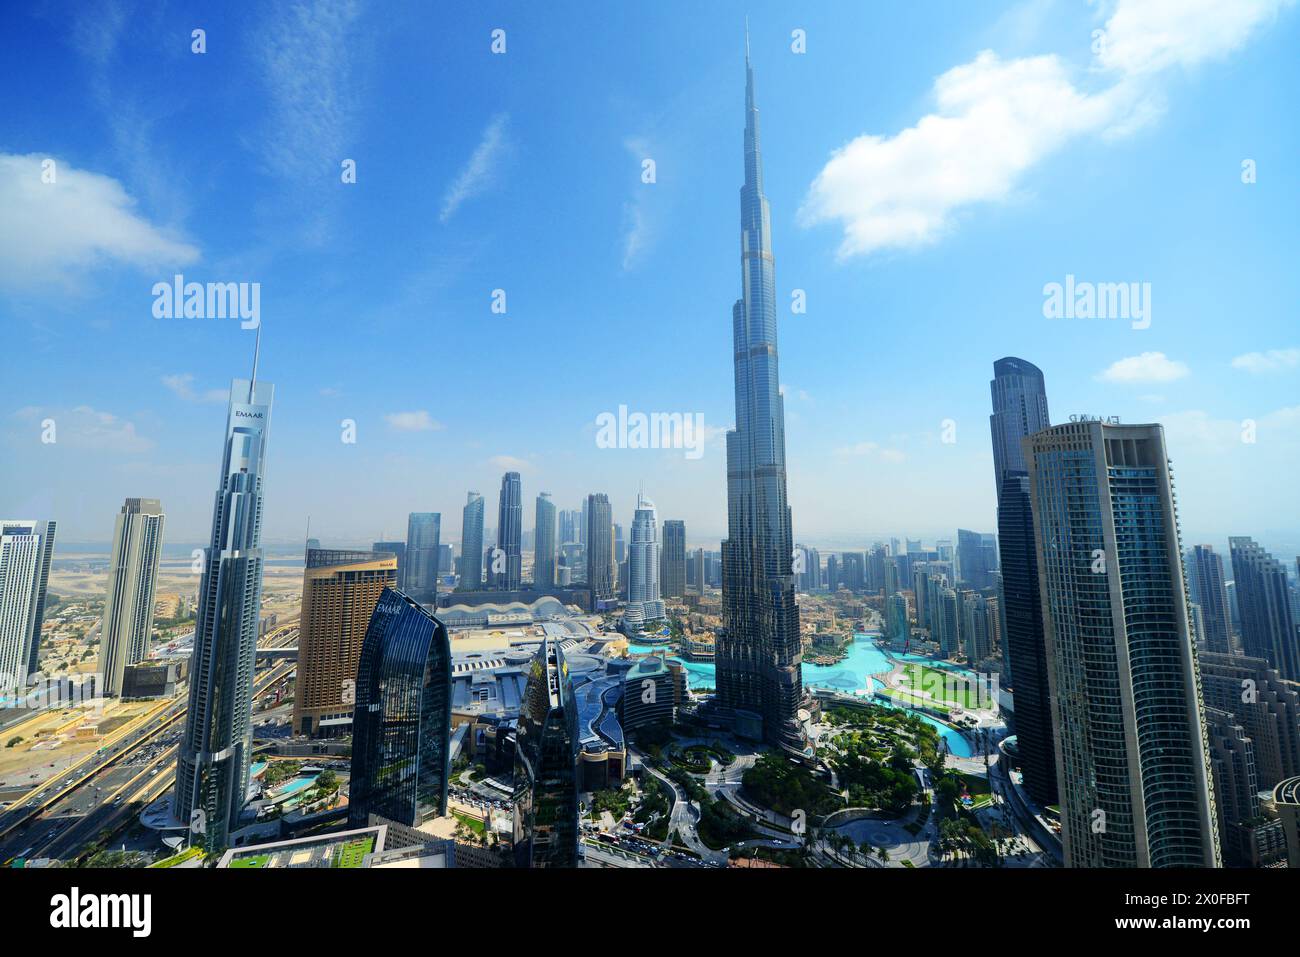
(758, 653)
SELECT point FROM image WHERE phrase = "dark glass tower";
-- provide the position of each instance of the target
(544, 543)
(1205, 576)
(423, 532)
(672, 579)
(758, 651)
(1022, 622)
(510, 531)
(213, 755)
(471, 544)
(600, 548)
(546, 765)
(1020, 409)
(1268, 627)
(402, 723)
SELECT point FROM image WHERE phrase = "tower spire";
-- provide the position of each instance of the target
(257, 348)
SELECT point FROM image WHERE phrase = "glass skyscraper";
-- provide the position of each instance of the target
(26, 549)
(544, 542)
(672, 577)
(510, 530)
(1268, 624)
(644, 603)
(546, 765)
(599, 548)
(1133, 768)
(213, 754)
(132, 581)
(471, 544)
(1020, 409)
(758, 651)
(401, 728)
(420, 574)
(1205, 578)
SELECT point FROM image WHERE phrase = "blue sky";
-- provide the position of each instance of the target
(930, 167)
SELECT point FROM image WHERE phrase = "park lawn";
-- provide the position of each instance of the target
(474, 824)
(945, 688)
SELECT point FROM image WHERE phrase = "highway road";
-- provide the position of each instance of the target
(109, 787)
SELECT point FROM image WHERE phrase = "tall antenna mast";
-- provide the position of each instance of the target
(257, 348)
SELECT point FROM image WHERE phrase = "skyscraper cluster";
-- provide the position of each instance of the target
(1150, 695)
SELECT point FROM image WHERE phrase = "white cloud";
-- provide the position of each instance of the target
(49, 232)
(418, 421)
(181, 384)
(479, 171)
(1196, 431)
(996, 119)
(1274, 360)
(635, 233)
(1146, 368)
(510, 463)
(1146, 36)
(638, 228)
(306, 52)
(84, 427)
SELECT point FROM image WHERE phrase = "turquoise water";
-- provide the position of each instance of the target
(847, 676)
(297, 784)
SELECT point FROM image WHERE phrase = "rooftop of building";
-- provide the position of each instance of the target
(647, 667)
(1287, 792)
(343, 849)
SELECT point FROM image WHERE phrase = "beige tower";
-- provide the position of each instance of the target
(339, 592)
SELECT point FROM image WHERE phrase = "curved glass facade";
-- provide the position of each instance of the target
(402, 723)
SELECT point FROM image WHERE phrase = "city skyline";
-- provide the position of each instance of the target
(1218, 318)
(1047, 240)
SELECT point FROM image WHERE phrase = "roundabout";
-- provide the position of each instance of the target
(892, 835)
